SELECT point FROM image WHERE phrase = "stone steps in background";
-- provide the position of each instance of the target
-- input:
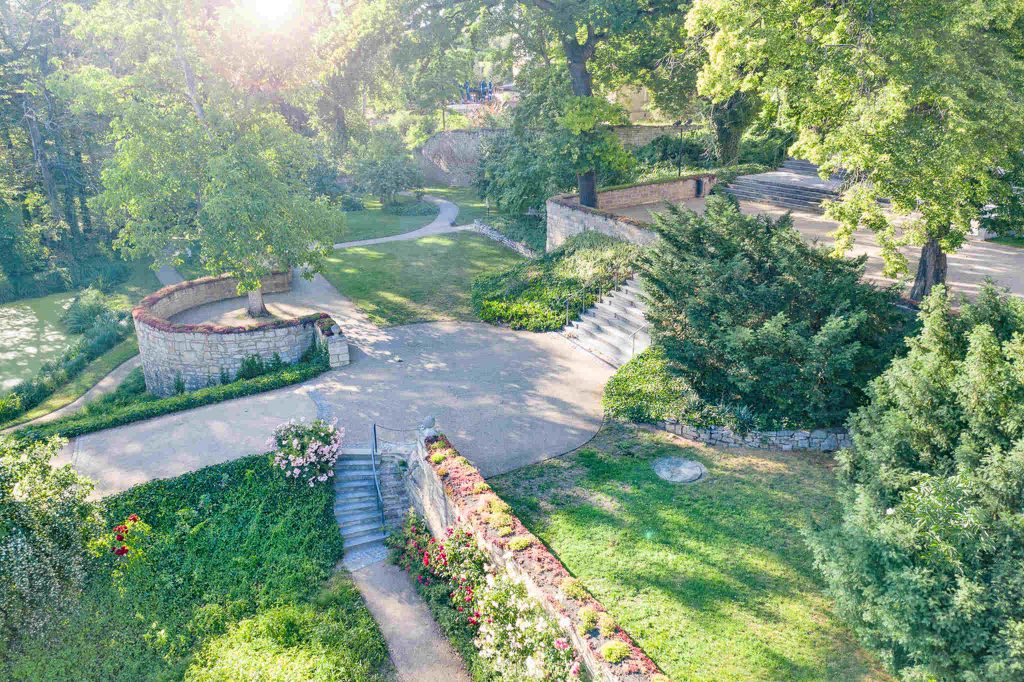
(614, 328)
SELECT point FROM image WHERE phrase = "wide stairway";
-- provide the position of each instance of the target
(358, 506)
(615, 328)
(795, 186)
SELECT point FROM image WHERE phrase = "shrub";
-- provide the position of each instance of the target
(46, 526)
(535, 294)
(927, 561)
(615, 651)
(480, 487)
(519, 543)
(351, 204)
(410, 207)
(574, 589)
(588, 620)
(84, 309)
(693, 149)
(606, 625)
(383, 166)
(752, 315)
(307, 452)
(438, 457)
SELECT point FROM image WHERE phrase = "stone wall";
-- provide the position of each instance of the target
(567, 218)
(489, 232)
(451, 494)
(819, 440)
(194, 356)
(451, 157)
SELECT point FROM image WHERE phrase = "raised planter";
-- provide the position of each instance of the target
(193, 356)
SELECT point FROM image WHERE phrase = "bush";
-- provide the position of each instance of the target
(615, 651)
(767, 147)
(46, 526)
(351, 204)
(307, 452)
(84, 309)
(928, 559)
(410, 207)
(751, 315)
(533, 294)
(383, 166)
(693, 149)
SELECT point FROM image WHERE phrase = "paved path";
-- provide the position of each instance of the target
(967, 268)
(507, 398)
(418, 649)
(442, 224)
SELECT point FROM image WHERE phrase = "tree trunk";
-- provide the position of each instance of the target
(730, 119)
(257, 308)
(931, 269)
(587, 183)
(582, 86)
(42, 161)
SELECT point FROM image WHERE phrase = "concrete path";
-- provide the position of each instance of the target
(442, 224)
(418, 649)
(967, 268)
(169, 275)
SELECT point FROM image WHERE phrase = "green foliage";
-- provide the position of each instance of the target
(46, 525)
(130, 403)
(927, 561)
(255, 366)
(223, 586)
(588, 620)
(574, 589)
(534, 294)
(606, 625)
(412, 207)
(690, 150)
(753, 316)
(525, 229)
(519, 543)
(615, 651)
(383, 166)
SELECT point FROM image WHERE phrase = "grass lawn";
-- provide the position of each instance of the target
(373, 222)
(1017, 242)
(418, 280)
(232, 583)
(471, 206)
(73, 390)
(714, 579)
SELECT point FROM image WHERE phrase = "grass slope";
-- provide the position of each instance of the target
(419, 280)
(713, 580)
(230, 587)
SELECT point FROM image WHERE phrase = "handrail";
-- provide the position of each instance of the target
(376, 478)
(617, 281)
(632, 338)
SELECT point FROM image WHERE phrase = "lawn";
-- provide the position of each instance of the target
(419, 280)
(471, 205)
(373, 221)
(232, 583)
(714, 579)
(1017, 242)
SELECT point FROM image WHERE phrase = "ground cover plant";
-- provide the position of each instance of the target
(420, 280)
(131, 402)
(221, 574)
(534, 294)
(928, 560)
(756, 319)
(713, 580)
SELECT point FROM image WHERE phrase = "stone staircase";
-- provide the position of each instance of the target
(357, 507)
(614, 329)
(795, 186)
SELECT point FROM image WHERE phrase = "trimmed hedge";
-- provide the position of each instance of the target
(133, 411)
(533, 294)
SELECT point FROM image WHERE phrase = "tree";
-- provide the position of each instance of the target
(927, 561)
(872, 91)
(199, 160)
(383, 166)
(755, 317)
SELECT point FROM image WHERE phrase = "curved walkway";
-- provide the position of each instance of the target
(442, 224)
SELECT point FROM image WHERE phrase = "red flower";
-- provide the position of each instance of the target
(120, 529)
(119, 537)
(133, 518)
(120, 551)
(426, 558)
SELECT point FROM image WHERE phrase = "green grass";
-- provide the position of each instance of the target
(373, 222)
(73, 390)
(713, 580)
(1017, 242)
(419, 280)
(471, 205)
(232, 582)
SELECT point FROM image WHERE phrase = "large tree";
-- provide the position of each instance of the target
(207, 146)
(916, 101)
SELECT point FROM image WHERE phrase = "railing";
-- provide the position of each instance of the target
(632, 338)
(374, 452)
(592, 286)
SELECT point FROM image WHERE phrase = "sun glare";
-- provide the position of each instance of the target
(269, 12)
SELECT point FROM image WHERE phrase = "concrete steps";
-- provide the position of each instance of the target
(613, 329)
(357, 506)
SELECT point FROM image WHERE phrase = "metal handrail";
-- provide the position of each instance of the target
(585, 289)
(632, 337)
(376, 477)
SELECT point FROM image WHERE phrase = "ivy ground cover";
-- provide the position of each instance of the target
(223, 574)
(713, 580)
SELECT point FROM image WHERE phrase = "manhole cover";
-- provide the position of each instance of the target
(680, 470)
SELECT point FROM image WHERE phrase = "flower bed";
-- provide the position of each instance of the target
(450, 492)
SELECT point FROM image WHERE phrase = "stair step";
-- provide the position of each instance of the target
(348, 506)
(365, 518)
(783, 190)
(353, 543)
(612, 353)
(629, 315)
(355, 484)
(361, 527)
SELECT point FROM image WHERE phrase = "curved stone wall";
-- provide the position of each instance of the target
(198, 355)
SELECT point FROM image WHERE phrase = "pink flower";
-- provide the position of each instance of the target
(574, 669)
(561, 644)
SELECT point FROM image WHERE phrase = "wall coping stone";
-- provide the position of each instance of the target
(535, 567)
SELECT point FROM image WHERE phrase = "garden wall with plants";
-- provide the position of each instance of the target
(566, 217)
(187, 357)
(452, 496)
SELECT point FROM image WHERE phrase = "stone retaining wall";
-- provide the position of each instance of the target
(194, 356)
(452, 157)
(489, 232)
(819, 440)
(566, 217)
(450, 494)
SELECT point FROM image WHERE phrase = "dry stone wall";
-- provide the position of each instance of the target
(194, 356)
(819, 440)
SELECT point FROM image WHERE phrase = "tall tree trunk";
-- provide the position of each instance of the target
(931, 269)
(582, 86)
(257, 308)
(42, 161)
(730, 119)
(83, 206)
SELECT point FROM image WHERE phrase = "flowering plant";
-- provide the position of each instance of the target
(307, 452)
(125, 542)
